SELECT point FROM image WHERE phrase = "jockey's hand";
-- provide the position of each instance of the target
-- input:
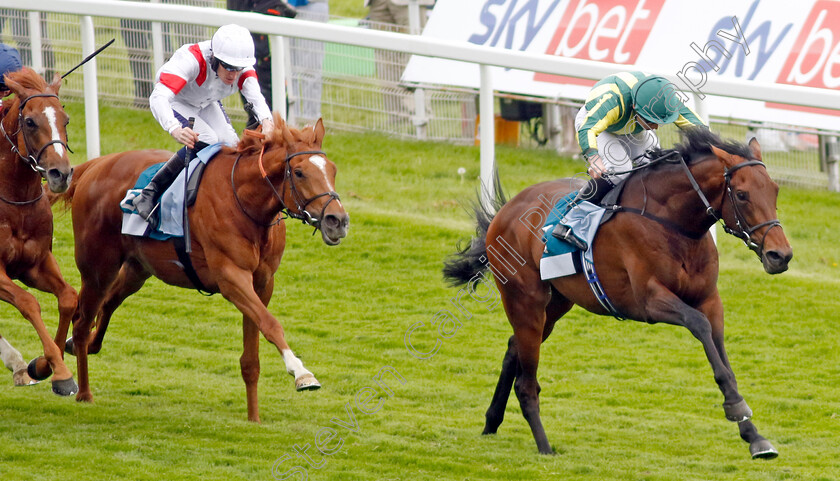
(267, 126)
(186, 136)
(596, 167)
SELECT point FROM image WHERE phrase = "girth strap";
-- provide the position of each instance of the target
(186, 264)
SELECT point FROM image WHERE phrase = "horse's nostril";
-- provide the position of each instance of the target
(54, 173)
(331, 220)
(778, 258)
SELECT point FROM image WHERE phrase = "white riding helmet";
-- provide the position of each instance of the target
(234, 46)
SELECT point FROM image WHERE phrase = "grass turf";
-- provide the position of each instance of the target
(620, 401)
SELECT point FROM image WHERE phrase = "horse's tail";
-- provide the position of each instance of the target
(463, 265)
(67, 196)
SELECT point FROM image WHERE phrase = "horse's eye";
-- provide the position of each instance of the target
(29, 122)
(299, 174)
(742, 196)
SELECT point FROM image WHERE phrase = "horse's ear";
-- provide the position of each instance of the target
(56, 83)
(755, 148)
(320, 131)
(288, 136)
(725, 157)
(18, 89)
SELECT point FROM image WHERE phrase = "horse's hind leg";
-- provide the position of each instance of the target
(557, 307)
(496, 412)
(31, 311)
(131, 278)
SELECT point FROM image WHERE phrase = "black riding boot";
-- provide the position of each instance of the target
(146, 203)
(593, 192)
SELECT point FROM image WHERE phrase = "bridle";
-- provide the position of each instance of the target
(300, 202)
(29, 159)
(742, 228)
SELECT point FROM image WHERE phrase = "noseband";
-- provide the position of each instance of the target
(300, 202)
(28, 159)
(742, 228)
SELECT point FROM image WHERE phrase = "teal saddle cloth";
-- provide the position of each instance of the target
(171, 201)
(560, 258)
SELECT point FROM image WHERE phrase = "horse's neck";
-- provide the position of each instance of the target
(669, 194)
(254, 193)
(18, 181)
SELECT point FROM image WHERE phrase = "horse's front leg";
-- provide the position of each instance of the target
(236, 285)
(46, 277)
(14, 362)
(63, 383)
(760, 447)
(664, 306)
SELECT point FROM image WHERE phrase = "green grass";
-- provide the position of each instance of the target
(620, 400)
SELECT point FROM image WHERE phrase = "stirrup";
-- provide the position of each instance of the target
(153, 219)
(564, 233)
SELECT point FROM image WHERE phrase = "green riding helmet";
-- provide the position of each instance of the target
(655, 99)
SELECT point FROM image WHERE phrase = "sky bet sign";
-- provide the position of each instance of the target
(768, 41)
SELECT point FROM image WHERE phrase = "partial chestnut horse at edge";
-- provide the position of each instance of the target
(33, 147)
(237, 237)
(656, 262)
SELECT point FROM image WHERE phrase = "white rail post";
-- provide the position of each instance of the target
(278, 75)
(833, 163)
(157, 44)
(487, 138)
(420, 119)
(702, 112)
(35, 43)
(90, 89)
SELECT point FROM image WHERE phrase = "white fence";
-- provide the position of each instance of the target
(484, 57)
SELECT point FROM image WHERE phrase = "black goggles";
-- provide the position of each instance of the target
(229, 67)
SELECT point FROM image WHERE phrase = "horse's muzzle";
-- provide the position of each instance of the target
(334, 228)
(776, 261)
(58, 180)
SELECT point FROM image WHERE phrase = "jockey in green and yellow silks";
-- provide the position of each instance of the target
(616, 125)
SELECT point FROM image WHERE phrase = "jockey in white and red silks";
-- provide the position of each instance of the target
(192, 84)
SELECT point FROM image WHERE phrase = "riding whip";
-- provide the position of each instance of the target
(187, 159)
(94, 54)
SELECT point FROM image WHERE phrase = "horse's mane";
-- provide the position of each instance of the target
(251, 141)
(28, 79)
(698, 142)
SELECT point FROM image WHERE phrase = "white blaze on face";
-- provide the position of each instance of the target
(50, 113)
(321, 163)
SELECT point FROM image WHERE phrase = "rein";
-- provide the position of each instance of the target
(742, 228)
(300, 202)
(33, 162)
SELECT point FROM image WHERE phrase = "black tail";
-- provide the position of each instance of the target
(463, 265)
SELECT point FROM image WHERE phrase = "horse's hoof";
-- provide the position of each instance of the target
(39, 369)
(738, 412)
(22, 378)
(86, 397)
(67, 387)
(68, 346)
(762, 449)
(307, 382)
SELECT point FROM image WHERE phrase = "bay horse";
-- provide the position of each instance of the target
(33, 147)
(237, 237)
(655, 260)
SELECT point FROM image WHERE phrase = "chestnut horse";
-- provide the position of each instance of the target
(656, 262)
(237, 237)
(33, 146)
